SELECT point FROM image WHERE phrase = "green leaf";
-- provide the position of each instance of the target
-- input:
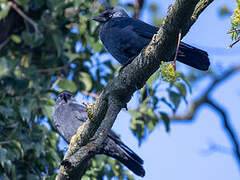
(166, 120)
(25, 112)
(4, 9)
(144, 93)
(82, 28)
(4, 67)
(153, 78)
(72, 56)
(48, 111)
(135, 114)
(182, 89)
(23, 3)
(97, 47)
(150, 126)
(58, 43)
(16, 38)
(32, 177)
(187, 82)
(32, 39)
(175, 99)
(86, 80)
(18, 149)
(3, 155)
(67, 85)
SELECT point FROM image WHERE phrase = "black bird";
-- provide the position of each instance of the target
(69, 115)
(124, 38)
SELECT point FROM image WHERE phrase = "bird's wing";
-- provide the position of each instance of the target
(79, 111)
(137, 27)
(133, 34)
(143, 29)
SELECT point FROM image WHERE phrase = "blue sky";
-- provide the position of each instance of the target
(180, 153)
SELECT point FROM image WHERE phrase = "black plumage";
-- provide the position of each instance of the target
(69, 115)
(124, 38)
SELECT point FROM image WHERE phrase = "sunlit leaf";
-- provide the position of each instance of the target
(67, 85)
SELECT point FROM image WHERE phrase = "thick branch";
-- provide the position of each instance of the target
(118, 92)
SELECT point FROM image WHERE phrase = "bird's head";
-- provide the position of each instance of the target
(64, 97)
(109, 14)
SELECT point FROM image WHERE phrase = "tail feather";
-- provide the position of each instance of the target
(193, 57)
(131, 164)
(113, 147)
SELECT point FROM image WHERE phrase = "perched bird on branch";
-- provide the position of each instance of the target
(69, 115)
(124, 38)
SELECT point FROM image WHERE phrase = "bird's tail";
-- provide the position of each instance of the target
(193, 57)
(118, 150)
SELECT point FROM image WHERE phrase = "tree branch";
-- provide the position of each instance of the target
(52, 70)
(21, 13)
(205, 99)
(200, 101)
(228, 127)
(118, 92)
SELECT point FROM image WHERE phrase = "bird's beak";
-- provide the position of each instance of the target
(65, 99)
(99, 18)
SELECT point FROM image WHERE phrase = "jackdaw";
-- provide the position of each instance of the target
(69, 115)
(124, 38)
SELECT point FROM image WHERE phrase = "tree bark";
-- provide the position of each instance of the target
(90, 136)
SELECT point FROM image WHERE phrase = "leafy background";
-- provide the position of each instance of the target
(65, 54)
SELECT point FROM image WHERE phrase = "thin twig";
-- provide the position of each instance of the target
(228, 127)
(138, 8)
(235, 42)
(4, 42)
(188, 117)
(5, 142)
(56, 82)
(235, 30)
(204, 99)
(178, 44)
(51, 70)
(21, 13)
(95, 96)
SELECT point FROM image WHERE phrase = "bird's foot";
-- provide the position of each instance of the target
(90, 110)
(85, 104)
(66, 164)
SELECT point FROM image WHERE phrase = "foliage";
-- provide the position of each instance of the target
(151, 105)
(235, 20)
(101, 167)
(64, 55)
(168, 72)
(32, 67)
